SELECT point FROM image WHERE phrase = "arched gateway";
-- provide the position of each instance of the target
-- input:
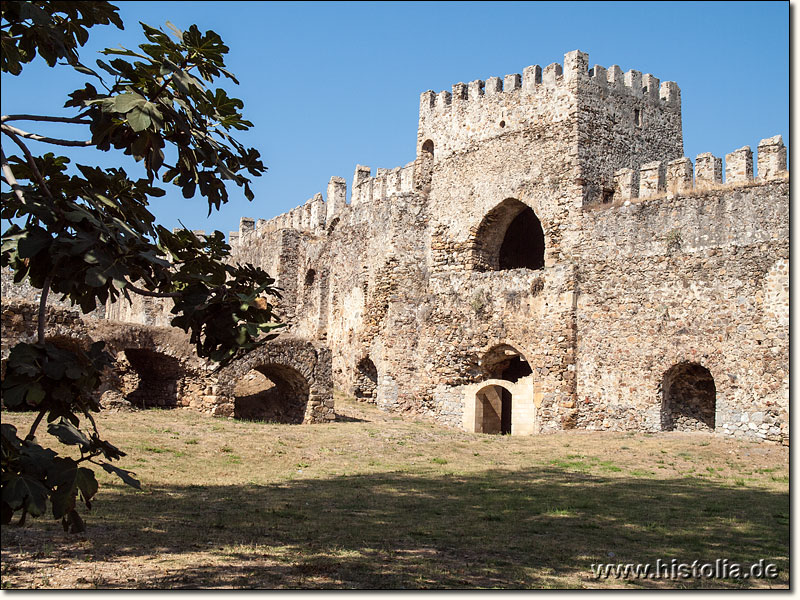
(297, 388)
(504, 402)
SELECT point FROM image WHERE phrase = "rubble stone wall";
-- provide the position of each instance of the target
(653, 275)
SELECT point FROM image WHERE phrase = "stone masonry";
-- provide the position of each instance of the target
(550, 260)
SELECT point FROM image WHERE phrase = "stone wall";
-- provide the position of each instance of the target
(646, 264)
(158, 367)
(690, 279)
(550, 215)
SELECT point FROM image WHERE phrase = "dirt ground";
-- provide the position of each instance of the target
(373, 501)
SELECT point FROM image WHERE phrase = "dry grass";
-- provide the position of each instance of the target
(377, 502)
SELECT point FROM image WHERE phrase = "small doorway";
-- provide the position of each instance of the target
(689, 399)
(493, 410)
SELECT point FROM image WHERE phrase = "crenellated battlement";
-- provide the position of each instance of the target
(316, 213)
(384, 185)
(680, 177)
(560, 96)
(534, 78)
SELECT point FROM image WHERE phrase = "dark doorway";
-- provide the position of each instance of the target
(523, 244)
(689, 399)
(366, 384)
(271, 393)
(510, 236)
(505, 415)
(493, 410)
(158, 379)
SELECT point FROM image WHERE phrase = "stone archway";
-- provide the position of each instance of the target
(155, 367)
(273, 393)
(505, 362)
(366, 384)
(510, 236)
(156, 377)
(688, 398)
(299, 390)
(503, 401)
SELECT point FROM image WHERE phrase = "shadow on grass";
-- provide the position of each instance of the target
(340, 418)
(540, 527)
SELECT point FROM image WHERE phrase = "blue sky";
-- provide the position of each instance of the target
(332, 85)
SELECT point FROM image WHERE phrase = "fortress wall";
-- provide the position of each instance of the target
(679, 176)
(699, 278)
(351, 283)
(464, 315)
(624, 120)
(477, 165)
(317, 213)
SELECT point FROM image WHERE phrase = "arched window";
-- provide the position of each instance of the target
(509, 237)
(505, 362)
(424, 173)
(311, 275)
(689, 398)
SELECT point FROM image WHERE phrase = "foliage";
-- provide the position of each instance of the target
(87, 233)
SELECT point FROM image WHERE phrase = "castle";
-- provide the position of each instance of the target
(550, 260)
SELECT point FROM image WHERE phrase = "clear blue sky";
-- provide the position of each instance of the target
(332, 85)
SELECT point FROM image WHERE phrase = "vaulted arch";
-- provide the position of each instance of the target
(510, 236)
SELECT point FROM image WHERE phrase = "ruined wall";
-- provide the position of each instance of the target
(698, 276)
(349, 283)
(551, 216)
(649, 261)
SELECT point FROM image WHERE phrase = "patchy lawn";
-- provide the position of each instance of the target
(377, 502)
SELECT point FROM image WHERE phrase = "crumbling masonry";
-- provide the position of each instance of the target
(550, 260)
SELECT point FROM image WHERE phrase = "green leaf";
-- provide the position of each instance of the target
(138, 120)
(20, 491)
(63, 499)
(68, 434)
(95, 277)
(127, 101)
(14, 395)
(34, 242)
(87, 484)
(35, 395)
(122, 474)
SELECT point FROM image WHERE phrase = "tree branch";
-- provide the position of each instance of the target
(149, 294)
(39, 417)
(48, 140)
(10, 179)
(42, 307)
(29, 158)
(78, 120)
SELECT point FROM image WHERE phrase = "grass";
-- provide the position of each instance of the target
(382, 503)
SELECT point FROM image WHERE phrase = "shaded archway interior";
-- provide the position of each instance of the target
(689, 399)
(493, 410)
(505, 362)
(272, 393)
(425, 171)
(158, 378)
(510, 236)
(366, 380)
